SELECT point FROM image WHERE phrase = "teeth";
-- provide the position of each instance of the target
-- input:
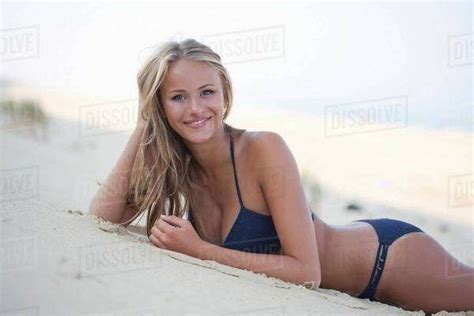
(198, 122)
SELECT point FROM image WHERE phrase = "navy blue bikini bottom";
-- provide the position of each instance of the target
(388, 230)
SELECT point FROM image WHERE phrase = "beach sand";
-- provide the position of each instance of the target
(57, 259)
(67, 262)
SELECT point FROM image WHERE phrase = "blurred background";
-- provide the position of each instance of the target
(302, 56)
(374, 99)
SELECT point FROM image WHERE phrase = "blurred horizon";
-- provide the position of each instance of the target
(324, 54)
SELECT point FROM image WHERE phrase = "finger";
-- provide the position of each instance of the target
(158, 233)
(174, 220)
(164, 226)
(156, 241)
(162, 237)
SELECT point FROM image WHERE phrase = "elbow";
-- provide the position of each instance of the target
(97, 211)
(312, 283)
(94, 211)
(93, 208)
(312, 277)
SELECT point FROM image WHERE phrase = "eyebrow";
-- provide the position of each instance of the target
(181, 90)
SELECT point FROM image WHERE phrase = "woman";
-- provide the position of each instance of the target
(245, 201)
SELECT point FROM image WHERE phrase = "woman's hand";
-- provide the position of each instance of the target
(176, 234)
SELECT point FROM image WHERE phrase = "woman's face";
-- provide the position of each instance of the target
(192, 91)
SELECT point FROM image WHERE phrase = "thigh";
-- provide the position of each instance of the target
(416, 276)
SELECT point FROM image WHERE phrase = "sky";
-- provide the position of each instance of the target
(303, 56)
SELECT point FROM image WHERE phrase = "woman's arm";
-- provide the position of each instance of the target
(109, 202)
(165, 235)
(279, 266)
(280, 182)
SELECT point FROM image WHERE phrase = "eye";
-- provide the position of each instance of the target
(211, 91)
(174, 98)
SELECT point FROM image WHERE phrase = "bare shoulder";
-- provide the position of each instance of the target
(268, 150)
(266, 143)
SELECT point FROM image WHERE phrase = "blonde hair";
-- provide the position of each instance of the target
(164, 176)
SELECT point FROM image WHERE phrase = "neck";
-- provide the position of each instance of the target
(212, 155)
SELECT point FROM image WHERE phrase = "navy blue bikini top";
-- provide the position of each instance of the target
(252, 231)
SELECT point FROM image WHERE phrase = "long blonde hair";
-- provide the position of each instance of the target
(164, 176)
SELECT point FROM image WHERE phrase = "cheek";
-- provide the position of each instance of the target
(218, 102)
(172, 113)
(173, 119)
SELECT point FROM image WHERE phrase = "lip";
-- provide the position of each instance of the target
(201, 118)
(200, 125)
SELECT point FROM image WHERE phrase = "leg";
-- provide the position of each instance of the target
(419, 275)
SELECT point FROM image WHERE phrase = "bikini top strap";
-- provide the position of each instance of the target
(235, 172)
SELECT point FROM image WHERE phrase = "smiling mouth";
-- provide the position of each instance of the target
(198, 123)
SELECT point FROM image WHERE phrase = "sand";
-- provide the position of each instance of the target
(66, 262)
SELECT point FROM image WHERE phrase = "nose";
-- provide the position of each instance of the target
(194, 105)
